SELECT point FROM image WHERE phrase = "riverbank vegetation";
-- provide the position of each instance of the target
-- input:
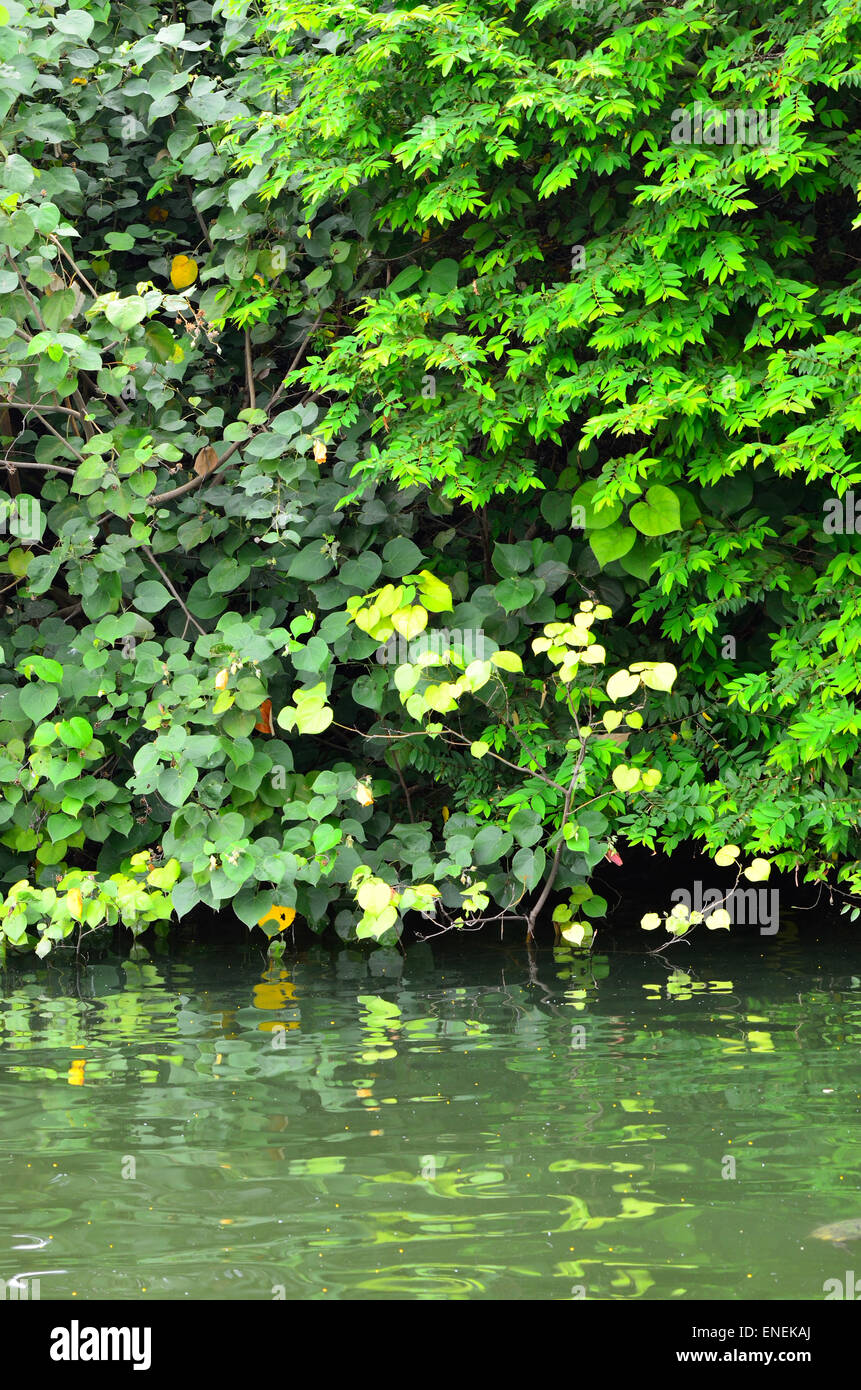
(429, 441)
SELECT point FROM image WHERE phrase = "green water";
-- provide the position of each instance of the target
(459, 1125)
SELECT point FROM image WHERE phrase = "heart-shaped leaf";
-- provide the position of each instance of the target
(621, 684)
(507, 661)
(374, 896)
(718, 920)
(409, 622)
(75, 732)
(125, 313)
(183, 272)
(660, 677)
(625, 778)
(658, 514)
(37, 700)
(176, 784)
(727, 855)
(512, 594)
(407, 678)
(584, 512)
(576, 933)
(757, 871)
(612, 542)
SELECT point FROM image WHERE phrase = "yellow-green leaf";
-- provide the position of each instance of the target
(757, 871)
(726, 855)
(621, 684)
(409, 622)
(625, 778)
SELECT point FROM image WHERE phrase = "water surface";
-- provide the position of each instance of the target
(460, 1122)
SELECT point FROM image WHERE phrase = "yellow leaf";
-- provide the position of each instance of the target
(183, 272)
(364, 795)
(284, 915)
(409, 622)
(75, 903)
(319, 451)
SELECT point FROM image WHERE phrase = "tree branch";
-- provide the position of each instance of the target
(11, 464)
(202, 477)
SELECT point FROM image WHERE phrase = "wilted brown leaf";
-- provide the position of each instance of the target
(205, 461)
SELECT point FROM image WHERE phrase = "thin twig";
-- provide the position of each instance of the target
(406, 789)
(554, 868)
(80, 274)
(304, 343)
(27, 295)
(199, 216)
(62, 438)
(148, 553)
(249, 373)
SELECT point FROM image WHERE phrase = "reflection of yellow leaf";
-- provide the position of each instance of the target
(75, 1076)
(284, 915)
(183, 272)
(75, 903)
(272, 997)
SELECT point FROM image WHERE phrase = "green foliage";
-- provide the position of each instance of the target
(574, 276)
(291, 321)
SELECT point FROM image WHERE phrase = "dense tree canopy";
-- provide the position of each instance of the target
(430, 438)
